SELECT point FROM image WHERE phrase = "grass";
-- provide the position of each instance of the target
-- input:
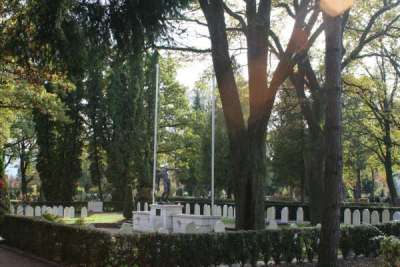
(96, 218)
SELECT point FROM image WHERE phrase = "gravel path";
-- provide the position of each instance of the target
(10, 257)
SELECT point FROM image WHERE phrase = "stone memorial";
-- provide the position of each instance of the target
(366, 216)
(285, 215)
(347, 216)
(38, 211)
(29, 211)
(385, 216)
(356, 217)
(300, 215)
(187, 208)
(84, 212)
(196, 209)
(396, 216)
(375, 218)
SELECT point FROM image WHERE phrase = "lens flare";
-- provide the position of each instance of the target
(335, 7)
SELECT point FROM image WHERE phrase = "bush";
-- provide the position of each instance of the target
(390, 249)
(359, 239)
(82, 246)
(72, 245)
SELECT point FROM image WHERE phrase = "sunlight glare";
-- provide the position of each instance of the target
(335, 7)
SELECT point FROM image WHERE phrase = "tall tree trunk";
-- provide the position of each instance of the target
(315, 181)
(394, 195)
(357, 189)
(23, 166)
(247, 144)
(373, 185)
(315, 143)
(2, 162)
(330, 233)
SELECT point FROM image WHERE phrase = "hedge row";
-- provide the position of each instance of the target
(75, 245)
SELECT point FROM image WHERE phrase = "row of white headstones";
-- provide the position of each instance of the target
(356, 217)
(350, 218)
(224, 211)
(37, 211)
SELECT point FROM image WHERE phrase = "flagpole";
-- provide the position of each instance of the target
(212, 144)
(155, 134)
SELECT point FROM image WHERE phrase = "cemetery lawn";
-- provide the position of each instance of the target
(96, 218)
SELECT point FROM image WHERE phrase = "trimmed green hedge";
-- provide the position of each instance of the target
(81, 246)
(56, 242)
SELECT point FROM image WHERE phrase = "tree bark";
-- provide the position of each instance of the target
(330, 233)
(247, 143)
(394, 196)
(357, 189)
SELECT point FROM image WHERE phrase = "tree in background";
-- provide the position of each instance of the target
(248, 136)
(376, 94)
(23, 148)
(288, 141)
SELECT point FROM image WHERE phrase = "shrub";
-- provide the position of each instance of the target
(72, 245)
(51, 218)
(390, 249)
(392, 228)
(81, 246)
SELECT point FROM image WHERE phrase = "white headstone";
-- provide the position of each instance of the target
(12, 209)
(285, 215)
(347, 216)
(84, 212)
(375, 217)
(356, 217)
(49, 210)
(44, 208)
(138, 206)
(207, 210)
(215, 210)
(271, 214)
(60, 211)
(191, 228)
(20, 210)
(146, 206)
(66, 212)
(396, 216)
(71, 212)
(225, 211)
(366, 217)
(187, 208)
(55, 211)
(29, 211)
(230, 212)
(272, 225)
(38, 211)
(196, 209)
(385, 216)
(219, 227)
(300, 215)
(219, 211)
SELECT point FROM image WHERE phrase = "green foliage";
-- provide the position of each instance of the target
(82, 246)
(288, 142)
(390, 249)
(360, 240)
(51, 218)
(128, 204)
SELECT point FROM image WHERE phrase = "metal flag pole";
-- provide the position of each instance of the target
(212, 143)
(155, 134)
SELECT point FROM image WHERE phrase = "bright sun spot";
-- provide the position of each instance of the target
(335, 7)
